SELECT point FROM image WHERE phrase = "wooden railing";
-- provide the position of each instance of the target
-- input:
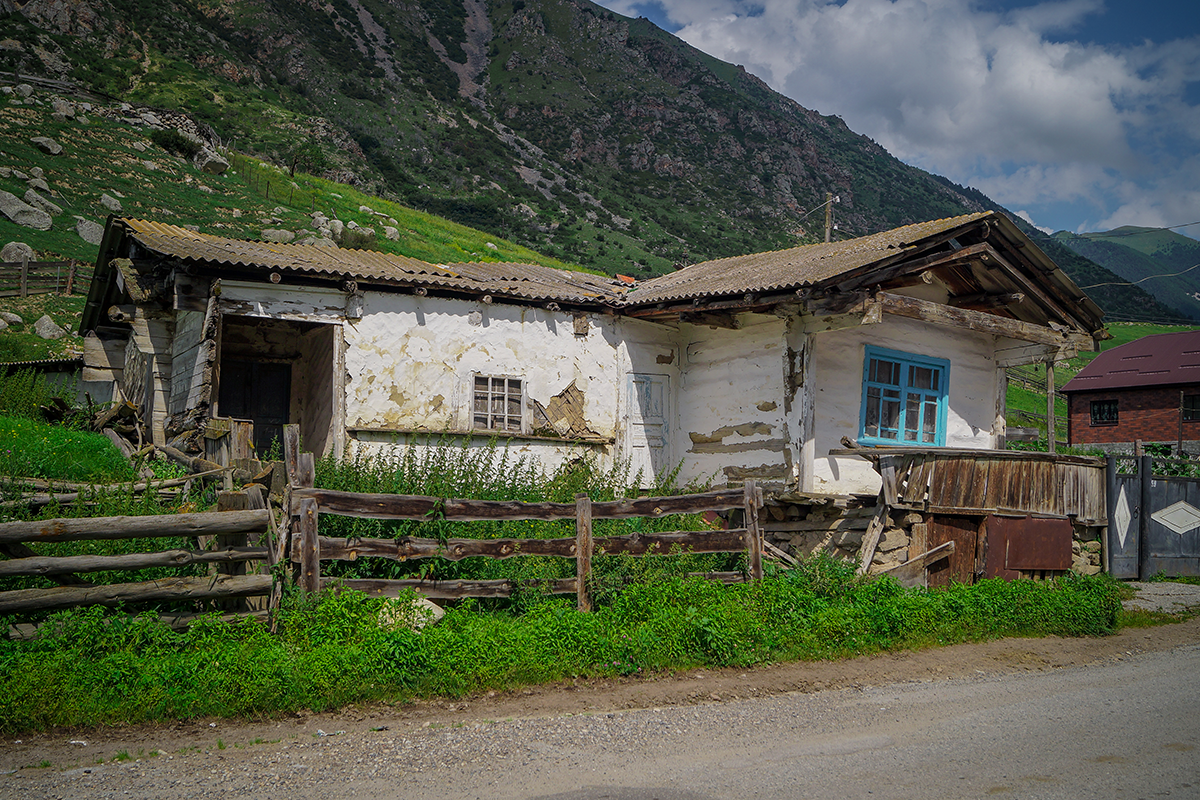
(23, 278)
(231, 529)
(310, 548)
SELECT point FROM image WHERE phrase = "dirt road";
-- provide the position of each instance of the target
(1019, 717)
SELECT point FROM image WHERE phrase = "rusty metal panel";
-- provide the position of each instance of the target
(1027, 543)
(960, 566)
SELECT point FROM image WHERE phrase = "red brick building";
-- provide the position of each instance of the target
(1148, 389)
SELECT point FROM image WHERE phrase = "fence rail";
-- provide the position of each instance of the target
(23, 278)
(307, 503)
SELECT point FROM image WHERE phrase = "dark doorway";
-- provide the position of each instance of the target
(260, 391)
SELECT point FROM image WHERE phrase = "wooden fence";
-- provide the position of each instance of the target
(238, 535)
(307, 503)
(23, 278)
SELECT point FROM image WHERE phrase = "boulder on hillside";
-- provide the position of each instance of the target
(11, 318)
(3, 325)
(110, 203)
(391, 233)
(38, 185)
(208, 161)
(24, 89)
(37, 172)
(17, 251)
(37, 201)
(89, 231)
(24, 214)
(47, 145)
(48, 328)
(336, 227)
(62, 109)
(276, 235)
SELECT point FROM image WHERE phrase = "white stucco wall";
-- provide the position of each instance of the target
(731, 400)
(836, 372)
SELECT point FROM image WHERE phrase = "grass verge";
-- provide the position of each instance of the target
(93, 667)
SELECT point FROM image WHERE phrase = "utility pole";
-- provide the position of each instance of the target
(828, 215)
(1050, 424)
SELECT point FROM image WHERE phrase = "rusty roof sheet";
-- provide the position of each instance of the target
(796, 267)
(529, 281)
(1165, 358)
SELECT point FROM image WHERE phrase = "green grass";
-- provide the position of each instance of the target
(92, 667)
(33, 449)
(18, 342)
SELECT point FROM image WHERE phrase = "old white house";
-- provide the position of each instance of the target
(754, 366)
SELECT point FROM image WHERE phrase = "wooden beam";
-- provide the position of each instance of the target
(200, 588)
(871, 538)
(65, 565)
(583, 550)
(754, 536)
(939, 314)
(912, 572)
(73, 530)
(984, 300)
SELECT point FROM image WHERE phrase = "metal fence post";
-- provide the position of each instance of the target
(1145, 466)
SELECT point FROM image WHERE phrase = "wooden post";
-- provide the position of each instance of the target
(753, 532)
(232, 501)
(24, 276)
(306, 474)
(71, 279)
(1145, 477)
(1051, 433)
(291, 453)
(310, 546)
(828, 215)
(583, 550)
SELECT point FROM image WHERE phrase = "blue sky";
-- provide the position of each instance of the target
(1078, 115)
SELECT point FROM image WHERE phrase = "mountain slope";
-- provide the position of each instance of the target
(583, 134)
(1148, 256)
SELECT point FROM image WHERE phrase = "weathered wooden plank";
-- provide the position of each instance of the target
(456, 549)
(103, 353)
(753, 531)
(385, 506)
(63, 565)
(310, 546)
(912, 572)
(212, 523)
(871, 538)
(199, 588)
(583, 550)
(939, 314)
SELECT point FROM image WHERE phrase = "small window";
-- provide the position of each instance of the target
(904, 398)
(1104, 412)
(1191, 407)
(498, 403)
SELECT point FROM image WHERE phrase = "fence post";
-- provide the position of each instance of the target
(753, 532)
(24, 276)
(232, 501)
(1110, 506)
(1145, 467)
(70, 279)
(583, 550)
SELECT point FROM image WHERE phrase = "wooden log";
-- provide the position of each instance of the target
(73, 530)
(120, 410)
(310, 546)
(871, 538)
(201, 588)
(39, 483)
(20, 552)
(192, 463)
(65, 565)
(395, 506)
(753, 532)
(583, 550)
(634, 544)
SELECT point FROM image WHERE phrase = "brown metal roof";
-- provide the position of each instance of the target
(528, 281)
(1159, 360)
(796, 267)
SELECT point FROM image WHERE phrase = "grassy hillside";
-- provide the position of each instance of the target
(109, 156)
(1142, 255)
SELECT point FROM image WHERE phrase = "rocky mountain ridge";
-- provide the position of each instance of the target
(558, 124)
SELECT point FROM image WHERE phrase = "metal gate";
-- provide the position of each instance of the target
(1153, 523)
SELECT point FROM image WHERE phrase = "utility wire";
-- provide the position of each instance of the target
(1139, 280)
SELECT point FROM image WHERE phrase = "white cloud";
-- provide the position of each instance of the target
(996, 100)
(1023, 214)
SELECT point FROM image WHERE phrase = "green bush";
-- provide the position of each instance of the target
(174, 141)
(93, 667)
(33, 449)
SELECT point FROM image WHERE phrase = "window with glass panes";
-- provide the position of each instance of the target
(1191, 407)
(497, 403)
(904, 398)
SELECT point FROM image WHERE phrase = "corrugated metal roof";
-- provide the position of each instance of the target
(45, 364)
(780, 270)
(1159, 360)
(529, 281)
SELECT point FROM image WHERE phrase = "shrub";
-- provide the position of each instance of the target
(174, 141)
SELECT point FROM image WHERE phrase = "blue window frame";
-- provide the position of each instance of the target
(904, 398)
